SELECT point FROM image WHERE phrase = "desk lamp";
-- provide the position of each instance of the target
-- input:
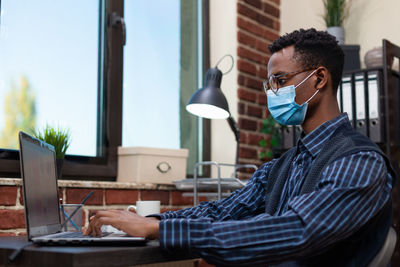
(209, 102)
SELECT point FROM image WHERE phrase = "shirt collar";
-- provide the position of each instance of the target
(314, 141)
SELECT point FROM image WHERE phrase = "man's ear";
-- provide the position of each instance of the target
(321, 79)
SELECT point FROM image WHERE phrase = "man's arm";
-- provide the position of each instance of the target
(241, 204)
(351, 191)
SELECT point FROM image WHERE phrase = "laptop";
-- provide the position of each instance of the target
(40, 191)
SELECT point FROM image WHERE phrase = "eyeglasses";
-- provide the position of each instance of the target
(274, 82)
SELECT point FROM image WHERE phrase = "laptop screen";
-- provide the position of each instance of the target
(38, 170)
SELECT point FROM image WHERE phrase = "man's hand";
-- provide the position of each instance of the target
(129, 222)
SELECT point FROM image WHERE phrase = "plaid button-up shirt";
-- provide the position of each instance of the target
(237, 231)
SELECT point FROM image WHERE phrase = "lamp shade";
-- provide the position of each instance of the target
(209, 101)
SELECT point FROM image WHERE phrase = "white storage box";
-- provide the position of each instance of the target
(151, 165)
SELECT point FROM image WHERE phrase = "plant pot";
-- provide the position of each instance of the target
(338, 32)
(59, 167)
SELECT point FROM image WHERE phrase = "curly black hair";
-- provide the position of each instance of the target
(314, 48)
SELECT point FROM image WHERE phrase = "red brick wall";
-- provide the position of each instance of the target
(257, 26)
(12, 218)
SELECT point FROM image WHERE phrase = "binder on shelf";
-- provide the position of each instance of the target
(297, 133)
(345, 99)
(375, 123)
(360, 104)
(339, 97)
(347, 96)
(288, 137)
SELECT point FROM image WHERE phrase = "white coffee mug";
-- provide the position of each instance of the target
(144, 208)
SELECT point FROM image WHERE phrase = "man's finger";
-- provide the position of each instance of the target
(88, 230)
(92, 230)
(102, 221)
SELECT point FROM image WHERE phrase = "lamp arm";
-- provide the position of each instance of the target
(236, 131)
(234, 127)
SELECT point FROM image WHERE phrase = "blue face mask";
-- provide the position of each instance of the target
(283, 107)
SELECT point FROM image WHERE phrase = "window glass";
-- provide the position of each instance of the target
(49, 70)
(151, 74)
(161, 69)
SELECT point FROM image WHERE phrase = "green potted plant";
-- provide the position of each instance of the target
(60, 139)
(335, 13)
(273, 140)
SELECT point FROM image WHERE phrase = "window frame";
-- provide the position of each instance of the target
(206, 123)
(103, 167)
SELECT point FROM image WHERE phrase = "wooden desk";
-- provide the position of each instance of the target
(61, 256)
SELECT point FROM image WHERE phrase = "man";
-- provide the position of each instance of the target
(320, 204)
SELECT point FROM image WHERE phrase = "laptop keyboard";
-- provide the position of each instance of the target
(78, 235)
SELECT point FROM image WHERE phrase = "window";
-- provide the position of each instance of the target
(151, 74)
(161, 72)
(49, 55)
(63, 66)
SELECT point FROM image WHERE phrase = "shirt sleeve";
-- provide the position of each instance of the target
(350, 192)
(240, 204)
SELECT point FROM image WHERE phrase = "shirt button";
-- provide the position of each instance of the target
(300, 165)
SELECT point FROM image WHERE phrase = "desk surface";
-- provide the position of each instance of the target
(83, 255)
